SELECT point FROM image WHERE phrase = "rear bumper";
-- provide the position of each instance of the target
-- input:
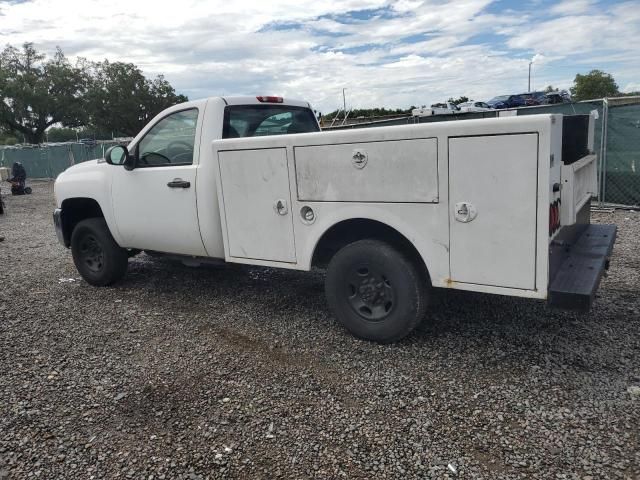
(57, 223)
(577, 266)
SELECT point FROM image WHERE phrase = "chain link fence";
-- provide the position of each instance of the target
(617, 141)
(621, 153)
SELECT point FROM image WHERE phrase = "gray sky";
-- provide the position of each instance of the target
(392, 54)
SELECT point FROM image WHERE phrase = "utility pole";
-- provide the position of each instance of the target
(530, 63)
(344, 101)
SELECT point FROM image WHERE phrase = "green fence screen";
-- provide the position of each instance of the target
(621, 179)
(48, 161)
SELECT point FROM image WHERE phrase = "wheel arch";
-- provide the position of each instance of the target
(76, 209)
(346, 231)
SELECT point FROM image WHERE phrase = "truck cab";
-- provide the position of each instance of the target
(151, 202)
(498, 205)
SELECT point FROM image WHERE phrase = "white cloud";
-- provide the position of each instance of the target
(309, 50)
(572, 7)
(538, 58)
(631, 87)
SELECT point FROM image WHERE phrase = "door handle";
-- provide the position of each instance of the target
(178, 183)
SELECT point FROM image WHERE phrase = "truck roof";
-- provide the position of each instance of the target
(239, 100)
(250, 100)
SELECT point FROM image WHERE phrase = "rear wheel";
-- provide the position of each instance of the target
(375, 291)
(97, 256)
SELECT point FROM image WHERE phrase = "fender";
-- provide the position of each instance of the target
(90, 180)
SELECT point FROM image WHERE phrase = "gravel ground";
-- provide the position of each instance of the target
(240, 372)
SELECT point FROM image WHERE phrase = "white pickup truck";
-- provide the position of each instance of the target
(435, 109)
(498, 205)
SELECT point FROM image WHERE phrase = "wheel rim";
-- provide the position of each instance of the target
(91, 253)
(370, 293)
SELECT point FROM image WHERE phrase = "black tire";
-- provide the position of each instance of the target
(375, 291)
(27, 190)
(97, 256)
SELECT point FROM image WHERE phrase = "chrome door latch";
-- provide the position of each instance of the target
(465, 212)
(281, 207)
(359, 158)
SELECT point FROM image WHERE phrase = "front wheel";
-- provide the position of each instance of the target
(375, 291)
(97, 256)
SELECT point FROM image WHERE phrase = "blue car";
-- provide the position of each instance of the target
(507, 101)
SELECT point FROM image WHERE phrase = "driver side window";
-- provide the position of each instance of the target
(170, 141)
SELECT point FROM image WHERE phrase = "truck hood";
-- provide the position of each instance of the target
(81, 168)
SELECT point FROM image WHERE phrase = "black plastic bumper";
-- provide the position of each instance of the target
(57, 222)
(579, 266)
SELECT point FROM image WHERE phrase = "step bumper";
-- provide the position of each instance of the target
(581, 264)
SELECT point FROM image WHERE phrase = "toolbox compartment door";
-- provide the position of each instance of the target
(493, 208)
(392, 171)
(256, 205)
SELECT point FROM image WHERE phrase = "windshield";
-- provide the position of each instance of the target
(501, 98)
(263, 120)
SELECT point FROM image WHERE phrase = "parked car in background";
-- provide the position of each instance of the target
(506, 101)
(474, 106)
(435, 109)
(553, 98)
(534, 98)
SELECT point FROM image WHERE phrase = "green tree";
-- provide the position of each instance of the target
(122, 100)
(7, 138)
(550, 89)
(57, 134)
(36, 93)
(368, 112)
(161, 95)
(595, 84)
(458, 100)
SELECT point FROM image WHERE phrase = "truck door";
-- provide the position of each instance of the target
(492, 194)
(256, 204)
(155, 204)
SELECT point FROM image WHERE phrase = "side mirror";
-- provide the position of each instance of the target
(119, 155)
